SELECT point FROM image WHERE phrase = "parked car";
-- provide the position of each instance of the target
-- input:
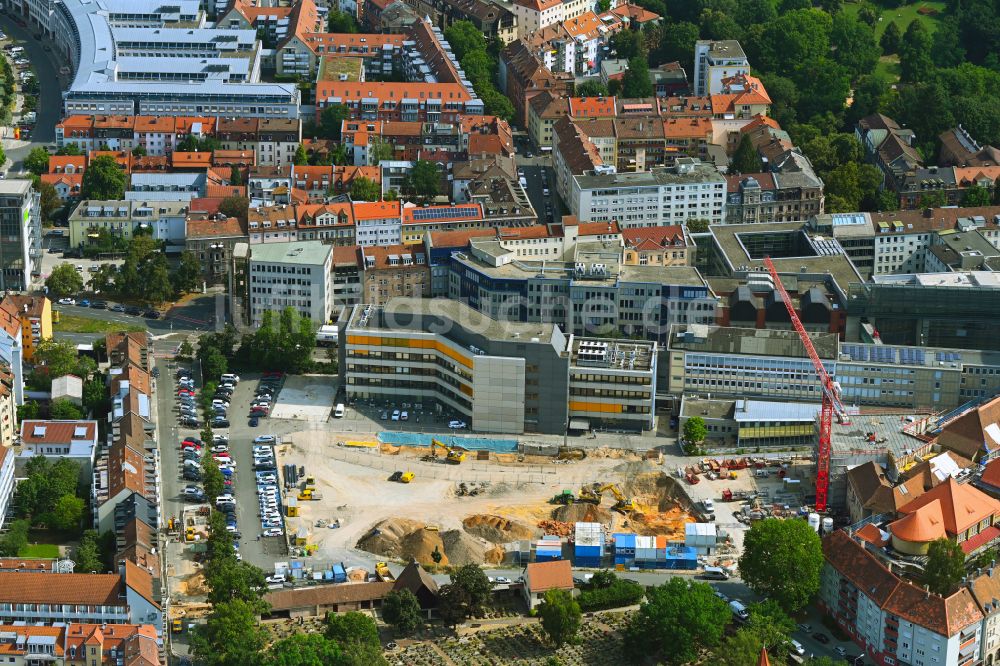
(133, 310)
(457, 425)
(395, 415)
(254, 422)
(67, 301)
(117, 307)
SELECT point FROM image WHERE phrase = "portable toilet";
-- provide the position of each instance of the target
(302, 537)
(291, 506)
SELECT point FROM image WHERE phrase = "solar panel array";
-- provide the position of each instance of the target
(445, 212)
(881, 354)
(948, 356)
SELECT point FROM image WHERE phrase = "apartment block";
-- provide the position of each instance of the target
(20, 235)
(74, 440)
(500, 376)
(121, 219)
(35, 313)
(7, 456)
(296, 275)
(394, 271)
(715, 61)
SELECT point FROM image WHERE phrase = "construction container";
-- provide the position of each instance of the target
(645, 548)
(302, 537)
(700, 536)
(661, 547)
(547, 550)
(291, 507)
(339, 573)
(624, 544)
(589, 544)
(680, 557)
(298, 570)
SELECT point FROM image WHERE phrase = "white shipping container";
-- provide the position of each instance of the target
(589, 534)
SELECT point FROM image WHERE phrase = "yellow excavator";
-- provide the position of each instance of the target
(453, 456)
(595, 493)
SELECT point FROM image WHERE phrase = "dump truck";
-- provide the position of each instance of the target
(383, 573)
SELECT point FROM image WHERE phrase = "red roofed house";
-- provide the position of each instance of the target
(67, 185)
(893, 620)
(540, 577)
(655, 246)
(331, 223)
(74, 440)
(111, 644)
(395, 270)
(951, 510)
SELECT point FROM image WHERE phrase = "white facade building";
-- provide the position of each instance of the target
(6, 480)
(663, 196)
(715, 61)
(291, 274)
(20, 235)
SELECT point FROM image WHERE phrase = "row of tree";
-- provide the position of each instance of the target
(283, 341)
(470, 47)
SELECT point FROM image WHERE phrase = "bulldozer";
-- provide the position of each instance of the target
(453, 456)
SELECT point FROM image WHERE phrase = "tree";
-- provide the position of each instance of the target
(66, 514)
(746, 159)
(64, 280)
(49, 201)
(29, 410)
(782, 560)
(697, 226)
(212, 479)
(977, 195)
(305, 650)
(695, 430)
(236, 206)
(678, 44)
(891, 39)
(915, 60)
(342, 23)
(352, 627)
(627, 44)
(95, 394)
(770, 624)
(330, 119)
(187, 276)
(230, 579)
(45, 484)
(453, 604)
(636, 81)
(560, 616)
(401, 609)
(379, 150)
(15, 540)
(186, 350)
(87, 556)
(69, 149)
(37, 161)
(855, 44)
(477, 585)
(464, 37)
(424, 179)
(231, 636)
(945, 566)
(300, 158)
(592, 88)
(103, 179)
(55, 358)
(365, 189)
(235, 175)
(677, 619)
(64, 410)
(740, 649)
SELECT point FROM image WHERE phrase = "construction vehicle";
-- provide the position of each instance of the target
(310, 494)
(177, 625)
(406, 477)
(453, 456)
(383, 573)
(565, 497)
(189, 534)
(831, 394)
(727, 495)
(595, 493)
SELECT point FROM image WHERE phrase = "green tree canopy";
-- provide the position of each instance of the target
(46, 483)
(64, 410)
(464, 37)
(401, 609)
(231, 636)
(473, 580)
(55, 358)
(782, 560)
(695, 429)
(300, 158)
(64, 280)
(891, 39)
(945, 566)
(330, 119)
(69, 149)
(236, 206)
(37, 161)
(16, 538)
(591, 89)
(636, 81)
(560, 615)
(341, 23)
(915, 60)
(235, 175)
(66, 513)
(746, 159)
(365, 189)
(305, 650)
(87, 556)
(103, 179)
(187, 276)
(977, 195)
(49, 201)
(424, 179)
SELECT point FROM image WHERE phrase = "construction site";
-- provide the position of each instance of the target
(446, 505)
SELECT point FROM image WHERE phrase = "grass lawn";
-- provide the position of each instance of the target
(888, 67)
(49, 550)
(76, 324)
(902, 16)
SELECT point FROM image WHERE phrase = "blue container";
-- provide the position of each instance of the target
(624, 544)
(588, 551)
(328, 575)
(339, 574)
(592, 562)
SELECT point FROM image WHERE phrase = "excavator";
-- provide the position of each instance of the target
(453, 456)
(595, 493)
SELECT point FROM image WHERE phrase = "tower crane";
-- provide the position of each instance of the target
(831, 394)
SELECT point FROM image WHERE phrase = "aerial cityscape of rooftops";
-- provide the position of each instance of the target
(487, 332)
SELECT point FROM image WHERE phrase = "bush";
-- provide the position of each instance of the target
(620, 593)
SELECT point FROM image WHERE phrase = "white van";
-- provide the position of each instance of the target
(338, 412)
(715, 573)
(740, 611)
(797, 647)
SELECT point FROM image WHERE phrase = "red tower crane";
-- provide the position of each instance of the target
(831, 394)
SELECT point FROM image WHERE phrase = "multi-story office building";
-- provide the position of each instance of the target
(20, 235)
(296, 275)
(135, 57)
(715, 61)
(500, 376)
(7, 456)
(591, 295)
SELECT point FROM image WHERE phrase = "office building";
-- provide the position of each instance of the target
(20, 235)
(715, 61)
(297, 275)
(773, 197)
(499, 376)
(139, 57)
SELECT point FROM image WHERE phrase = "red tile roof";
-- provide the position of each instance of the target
(962, 505)
(38, 588)
(543, 576)
(57, 432)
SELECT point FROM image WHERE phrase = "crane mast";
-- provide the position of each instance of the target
(831, 398)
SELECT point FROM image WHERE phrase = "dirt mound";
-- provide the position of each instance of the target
(357, 575)
(463, 548)
(386, 538)
(581, 512)
(420, 544)
(497, 529)
(494, 555)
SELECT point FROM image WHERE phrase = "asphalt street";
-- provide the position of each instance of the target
(196, 315)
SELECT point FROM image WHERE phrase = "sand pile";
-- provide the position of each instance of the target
(581, 512)
(463, 548)
(420, 544)
(386, 538)
(497, 529)
(357, 575)
(495, 555)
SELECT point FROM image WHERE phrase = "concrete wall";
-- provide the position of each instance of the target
(498, 394)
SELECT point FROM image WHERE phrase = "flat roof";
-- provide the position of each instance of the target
(705, 408)
(14, 186)
(974, 279)
(750, 411)
(749, 341)
(702, 172)
(460, 313)
(608, 353)
(301, 252)
(886, 426)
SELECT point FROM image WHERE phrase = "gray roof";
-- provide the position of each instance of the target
(702, 173)
(749, 341)
(313, 253)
